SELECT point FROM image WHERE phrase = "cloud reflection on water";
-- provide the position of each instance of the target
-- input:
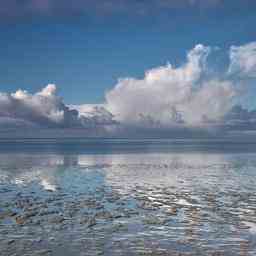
(130, 170)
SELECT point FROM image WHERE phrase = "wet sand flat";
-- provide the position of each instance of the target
(127, 203)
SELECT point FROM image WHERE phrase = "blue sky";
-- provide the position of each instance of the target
(84, 55)
(188, 68)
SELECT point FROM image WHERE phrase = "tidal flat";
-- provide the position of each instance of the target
(127, 203)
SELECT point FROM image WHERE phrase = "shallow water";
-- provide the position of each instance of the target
(128, 202)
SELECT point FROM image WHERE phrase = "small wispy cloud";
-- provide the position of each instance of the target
(243, 60)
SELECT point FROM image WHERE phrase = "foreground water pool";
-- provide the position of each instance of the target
(127, 202)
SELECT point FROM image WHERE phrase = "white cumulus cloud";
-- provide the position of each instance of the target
(169, 95)
(46, 109)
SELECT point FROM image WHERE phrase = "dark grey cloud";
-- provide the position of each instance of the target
(18, 10)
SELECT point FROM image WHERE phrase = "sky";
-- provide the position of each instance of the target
(143, 63)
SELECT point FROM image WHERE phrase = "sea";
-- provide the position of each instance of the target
(127, 197)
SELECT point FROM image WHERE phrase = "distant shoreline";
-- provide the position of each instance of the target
(117, 140)
(124, 145)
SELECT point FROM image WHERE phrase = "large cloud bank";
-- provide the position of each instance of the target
(188, 97)
(168, 96)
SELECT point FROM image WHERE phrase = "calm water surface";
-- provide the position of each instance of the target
(146, 201)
